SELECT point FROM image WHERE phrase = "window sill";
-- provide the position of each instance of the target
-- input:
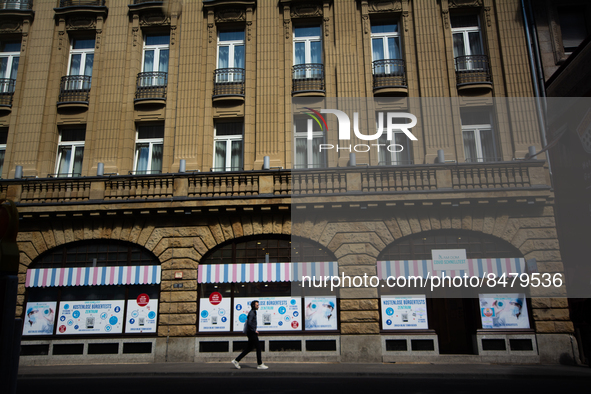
(73, 104)
(149, 102)
(391, 91)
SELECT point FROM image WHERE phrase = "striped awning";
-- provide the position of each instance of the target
(93, 276)
(476, 267)
(263, 272)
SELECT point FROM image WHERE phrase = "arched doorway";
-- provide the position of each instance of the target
(455, 320)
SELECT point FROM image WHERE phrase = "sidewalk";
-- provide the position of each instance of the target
(276, 369)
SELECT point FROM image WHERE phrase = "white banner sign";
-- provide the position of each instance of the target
(503, 311)
(274, 314)
(141, 319)
(321, 313)
(449, 259)
(90, 317)
(214, 317)
(404, 312)
(39, 318)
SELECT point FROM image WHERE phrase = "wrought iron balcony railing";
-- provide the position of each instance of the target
(472, 69)
(228, 82)
(146, 1)
(79, 3)
(6, 91)
(16, 4)
(389, 73)
(75, 88)
(151, 85)
(308, 78)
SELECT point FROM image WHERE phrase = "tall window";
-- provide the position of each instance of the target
(478, 135)
(156, 50)
(307, 49)
(572, 26)
(70, 152)
(385, 46)
(81, 62)
(467, 41)
(230, 54)
(228, 146)
(3, 138)
(148, 149)
(9, 57)
(307, 152)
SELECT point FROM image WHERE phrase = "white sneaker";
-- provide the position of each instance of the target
(262, 366)
(236, 364)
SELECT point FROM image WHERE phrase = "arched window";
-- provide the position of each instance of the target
(94, 287)
(261, 268)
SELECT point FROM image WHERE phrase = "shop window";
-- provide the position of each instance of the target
(70, 152)
(97, 288)
(148, 149)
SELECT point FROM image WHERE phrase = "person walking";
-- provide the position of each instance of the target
(250, 329)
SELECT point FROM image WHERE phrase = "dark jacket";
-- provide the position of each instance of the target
(251, 322)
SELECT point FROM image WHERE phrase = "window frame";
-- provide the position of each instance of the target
(74, 145)
(228, 139)
(10, 56)
(309, 146)
(151, 142)
(157, 48)
(476, 129)
(84, 53)
(466, 41)
(3, 148)
(384, 37)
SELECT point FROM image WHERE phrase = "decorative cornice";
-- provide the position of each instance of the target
(154, 19)
(230, 15)
(11, 26)
(465, 3)
(305, 10)
(380, 6)
(81, 23)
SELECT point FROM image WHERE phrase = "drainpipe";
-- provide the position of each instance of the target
(538, 79)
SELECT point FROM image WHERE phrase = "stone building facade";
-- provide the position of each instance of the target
(148, 125)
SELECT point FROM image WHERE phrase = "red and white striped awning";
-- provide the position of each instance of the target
(476, 267)
(264, 272)
(93, 276)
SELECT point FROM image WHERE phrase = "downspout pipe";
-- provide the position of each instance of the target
(538, 78)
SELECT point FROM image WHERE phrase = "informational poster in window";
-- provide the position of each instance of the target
(274, 314)
(214, 313)
(39, 318)
(90, 317)
(404, 312)
(503, 311)
(321, 313)
(141, 316)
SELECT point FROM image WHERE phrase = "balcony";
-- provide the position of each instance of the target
(308, 80)
(473, 72)
(6, 92)
(228, 84)
(389, 76)
(74, 91)
(151, 88)
(20, 5)
(95, 7)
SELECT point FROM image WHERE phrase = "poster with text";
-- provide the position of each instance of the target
(141, 318)
(39, 318)
(503, 311)
(214, 314)
(404, 312)
(90, 317)
(321, 313)
(274, 314)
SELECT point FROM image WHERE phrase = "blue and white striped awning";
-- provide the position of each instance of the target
(264, 272)
(93, 276)
(476, 267)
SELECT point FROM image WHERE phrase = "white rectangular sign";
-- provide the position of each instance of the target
(503, 311)
(90, 317)
(214, 317)
(404, 312)
(141, 319)
(449, 259)
(321, 313)
(39, 318)
(274, 314)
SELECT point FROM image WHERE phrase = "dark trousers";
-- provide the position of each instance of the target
(253, 343)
